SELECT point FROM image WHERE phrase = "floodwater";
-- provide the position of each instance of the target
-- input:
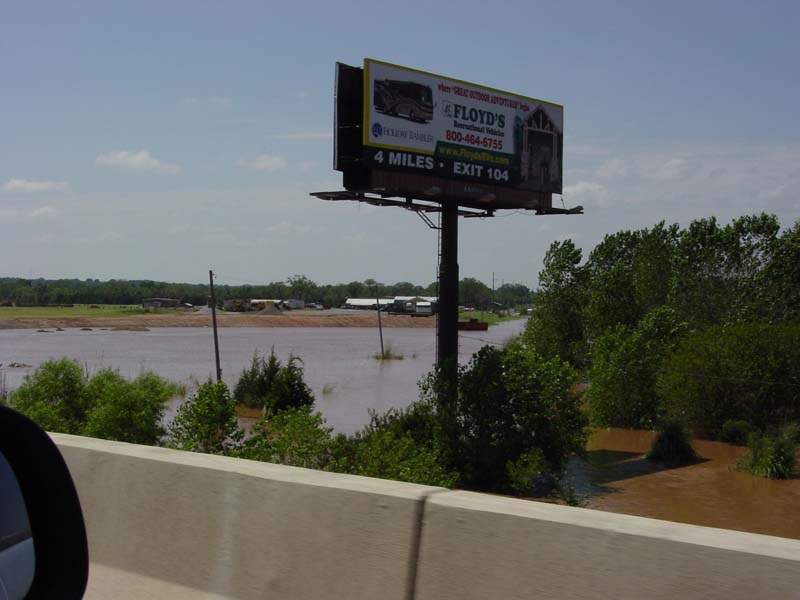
(347, 381)
(339, 366)
(618, 479)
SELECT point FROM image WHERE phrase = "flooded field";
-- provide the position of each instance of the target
(618, 479)
(339, 367)
(347, 381)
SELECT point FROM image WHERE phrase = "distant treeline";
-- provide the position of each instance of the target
(27, 292)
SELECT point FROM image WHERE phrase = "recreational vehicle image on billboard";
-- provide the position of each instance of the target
(408, 99)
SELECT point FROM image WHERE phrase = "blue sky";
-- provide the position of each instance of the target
(159, 139)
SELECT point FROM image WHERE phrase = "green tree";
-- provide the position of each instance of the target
(625, 365)
(295, 437)
(716, 275)
(206, 422)
(127, 411)
(508, 403)
(474, 293)
(271, 385)
(628, 275)
(555, 327)
(53, 396)
(742, 371)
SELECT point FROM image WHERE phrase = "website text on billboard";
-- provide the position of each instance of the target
(435, 125)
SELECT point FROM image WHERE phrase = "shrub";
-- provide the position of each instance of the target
(269, 384)
(400, 444)
(508, 403)
(206, 422)
(127, 411)
(625, 366)
(770, 456)
(529, 475)
(256, 381)
(672, 445)
(745, 372)
(735, 431)
(295, 437)
(53, 396)
(385, 454)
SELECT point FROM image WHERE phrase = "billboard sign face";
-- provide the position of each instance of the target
(433, 125)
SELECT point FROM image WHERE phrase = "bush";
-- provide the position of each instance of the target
(529, 475)
(127, 411)
(770, 456)
(385, 454)
(508, 403)
(672, 446)
(270, 385)
(206, 422)
(744, 372)
(625, 368)
(295, 437)
(735, 432)
(53, 396)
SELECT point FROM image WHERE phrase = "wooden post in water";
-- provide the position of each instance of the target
(380, 326)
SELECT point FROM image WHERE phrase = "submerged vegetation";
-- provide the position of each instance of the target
(388, 353)
(771, 455)
(672, 445)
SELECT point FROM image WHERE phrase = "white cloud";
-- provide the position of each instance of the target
(586, 192)
(615, 168)
(671, 170)
(137, 161)
(30, 186)
(266, 162)
(43, 213)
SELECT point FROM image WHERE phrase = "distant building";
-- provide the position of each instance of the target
(160, 303)
(415, 304)
(368, 303)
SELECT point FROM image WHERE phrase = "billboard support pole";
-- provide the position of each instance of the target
(447, 321)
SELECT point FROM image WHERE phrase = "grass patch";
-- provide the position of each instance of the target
(771, 456)
(78, 310)
(388, 354)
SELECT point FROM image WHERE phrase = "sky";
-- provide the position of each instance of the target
(157, 140)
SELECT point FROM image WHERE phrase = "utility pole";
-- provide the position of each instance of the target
(447, 323)
(380, 326)
(214, 323)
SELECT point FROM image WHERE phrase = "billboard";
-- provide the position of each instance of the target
(437, 126)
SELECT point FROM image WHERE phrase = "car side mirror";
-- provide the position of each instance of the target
(43, 547)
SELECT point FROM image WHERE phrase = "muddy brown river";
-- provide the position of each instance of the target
(618, 479)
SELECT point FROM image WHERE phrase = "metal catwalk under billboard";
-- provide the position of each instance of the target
(428, 124)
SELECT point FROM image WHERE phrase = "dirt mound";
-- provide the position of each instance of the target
(270, 309)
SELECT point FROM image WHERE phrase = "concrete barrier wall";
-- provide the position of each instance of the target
(189, 523)
(163, 523)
